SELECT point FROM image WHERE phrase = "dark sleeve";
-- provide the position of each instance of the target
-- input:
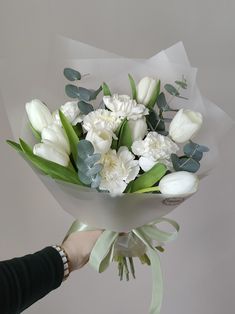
(25, 280)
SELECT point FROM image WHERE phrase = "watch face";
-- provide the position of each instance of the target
(173, 201)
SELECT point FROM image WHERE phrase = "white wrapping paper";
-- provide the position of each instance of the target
(23, 80)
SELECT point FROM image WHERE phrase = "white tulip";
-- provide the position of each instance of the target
(71, 111)
(138, 128)
(55, 134)
(51, 152)
(101, 140)
(39, 115)
(185, 125)
(145, 90)
(179, 183)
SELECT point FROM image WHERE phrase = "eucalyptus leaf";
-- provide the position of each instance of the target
(71, 134)
(149, 178)
(162, 103)
(85, 107)
(72, 91)
(106, 90)
(154, 122)
(133, 87)
(184, 163)
(72, 75)
(88, 94)
(155, 95)
(85, 149)
(171, 90)
(183, 84)
(191, 150)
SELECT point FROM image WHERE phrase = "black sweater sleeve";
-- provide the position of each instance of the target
(25, 280)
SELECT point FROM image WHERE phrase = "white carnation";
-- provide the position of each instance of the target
(100, 139)
(71, 111)
(101, 119)
(125, 107)
(154, 148)
(119, 168)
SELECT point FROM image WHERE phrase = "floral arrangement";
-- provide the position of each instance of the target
(123, 162)
(124, 146)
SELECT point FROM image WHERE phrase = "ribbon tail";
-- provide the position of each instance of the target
(78, 226)
(157, 282)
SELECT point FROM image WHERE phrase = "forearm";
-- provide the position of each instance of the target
(25, 280)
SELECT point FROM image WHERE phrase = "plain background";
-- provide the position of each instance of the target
(199, 267)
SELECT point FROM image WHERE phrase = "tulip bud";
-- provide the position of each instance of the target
(185, 125)
(56, 135)
(38, 114)
(138, 128)
(101, 140)
(179, 183)
(70, 110)
(145, 90)
(51, 152)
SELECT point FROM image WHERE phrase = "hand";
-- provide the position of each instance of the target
(78, 246)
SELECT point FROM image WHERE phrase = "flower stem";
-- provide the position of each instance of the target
(146, 190)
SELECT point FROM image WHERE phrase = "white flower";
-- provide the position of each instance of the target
(185, 125)
(119, 168)
(154, 148)
(101, 140)
(138, 128)
(38, 113)
(55, 134)
(178, 183)
(101, 119)
(145, 90)
(125, 107)
(71, 111)
(51, 152)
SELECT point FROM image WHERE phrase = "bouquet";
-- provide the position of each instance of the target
(123, 160)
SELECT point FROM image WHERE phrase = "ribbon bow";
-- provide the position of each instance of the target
(103, 252)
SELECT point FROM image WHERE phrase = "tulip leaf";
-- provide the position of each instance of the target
(88, 168)
(71, 134)
(72, 91)
(85, 107)
(36, 134)
(106, 90)
(184, 163)
(149, 178)
(125, 137)
(50, 168)
(155, 95)
(15, 145)
(72, 75)
(133, 87)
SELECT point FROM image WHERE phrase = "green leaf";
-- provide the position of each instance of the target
(155, 95)
(88, 94)
(71, 134)
(184, 163)
(88, 168)
(84, 107)
(154, 122)
(133, 87)
(182, 84)
(191, 150)
(72, 91)
(72, 75)
(125, 137)
(171, 90)
(106, 90)
(149, 178)
(50, 168)
(15, 145)
(36, 134)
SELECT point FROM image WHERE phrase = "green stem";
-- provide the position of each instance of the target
(146, 190)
